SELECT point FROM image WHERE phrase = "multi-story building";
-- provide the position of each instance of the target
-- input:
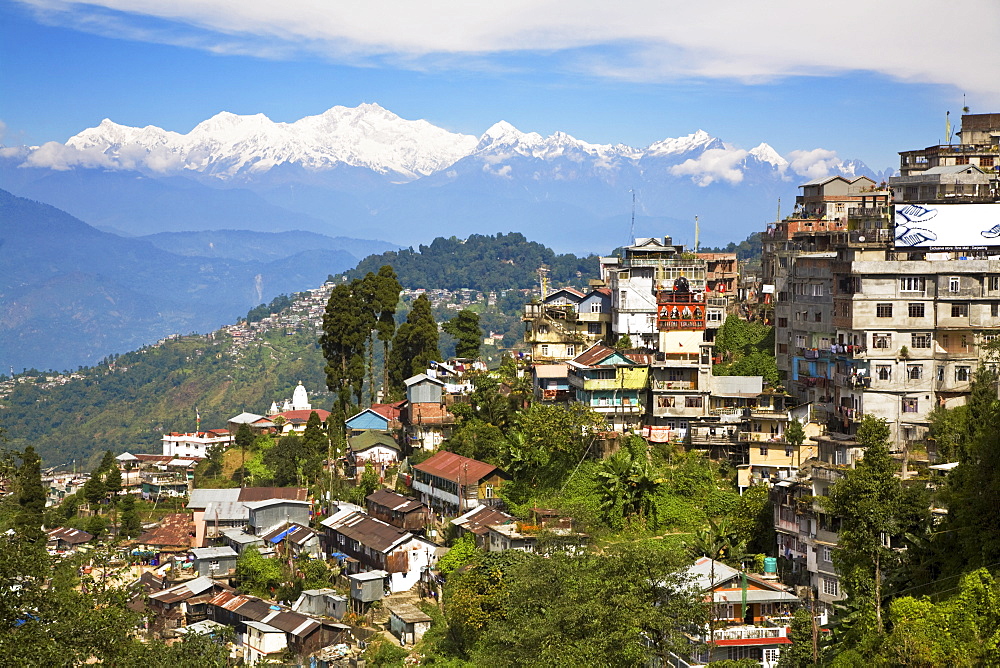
(979, 145)
(650, 271)
(866, 325)
(613, 384)
(567, 322)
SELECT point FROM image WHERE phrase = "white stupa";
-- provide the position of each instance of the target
(273, 409)
(300, 399)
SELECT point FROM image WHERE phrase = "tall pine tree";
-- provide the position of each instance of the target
(30, 496)
(464, 327)
(415, 344)
(386, 301)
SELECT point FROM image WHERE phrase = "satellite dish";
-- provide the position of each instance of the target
(861, 238)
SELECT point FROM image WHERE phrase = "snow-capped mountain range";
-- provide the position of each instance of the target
(407, 181)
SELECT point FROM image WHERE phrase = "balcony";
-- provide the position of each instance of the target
(674, 385)
(761, 437)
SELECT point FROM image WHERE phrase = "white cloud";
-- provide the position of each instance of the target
(712, 165)
(3, 130)
(503, 171)
(61, 157)
(814, 164)
(910, 40)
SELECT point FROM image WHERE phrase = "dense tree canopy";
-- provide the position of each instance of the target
(488, 263)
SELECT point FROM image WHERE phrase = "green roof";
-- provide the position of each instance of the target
(371, 438)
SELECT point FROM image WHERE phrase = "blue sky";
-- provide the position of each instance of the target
(863, 83)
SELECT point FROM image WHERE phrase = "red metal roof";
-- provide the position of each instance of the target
(456, 468)
(593, 355)
(268, 493)
(389, 411)
(301, 414)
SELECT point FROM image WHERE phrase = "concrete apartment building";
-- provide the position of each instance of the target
(884, 299)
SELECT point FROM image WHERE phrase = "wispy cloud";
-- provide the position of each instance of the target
(644, 40)
(713, 165)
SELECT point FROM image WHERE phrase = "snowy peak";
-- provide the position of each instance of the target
(229, 145)
(765, 153)
(698, 141)
(504, 135)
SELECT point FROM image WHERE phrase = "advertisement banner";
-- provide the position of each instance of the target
(947, 226)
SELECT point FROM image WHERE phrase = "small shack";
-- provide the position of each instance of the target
(262, 641)
(214, 561)
(367, 588)
(408, 623)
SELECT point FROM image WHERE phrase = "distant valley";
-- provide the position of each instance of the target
(71, 294)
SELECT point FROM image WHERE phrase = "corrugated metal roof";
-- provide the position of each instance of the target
(370, 532)
(266, 493)
(479, 519)
(409, 613)
(255, 505)
(455, 468)
(70, 535)
(392, 501)
(213, 552)
(174, 530)
(200, 498)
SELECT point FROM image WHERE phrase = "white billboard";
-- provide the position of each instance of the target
(947, 226)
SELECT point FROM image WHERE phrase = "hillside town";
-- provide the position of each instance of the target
(874, 308)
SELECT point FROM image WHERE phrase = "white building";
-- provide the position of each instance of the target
(194, 444)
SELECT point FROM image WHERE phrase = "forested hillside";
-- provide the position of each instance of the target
(481, 262)
(128, 403)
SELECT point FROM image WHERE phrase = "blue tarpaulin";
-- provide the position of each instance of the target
(281, 536)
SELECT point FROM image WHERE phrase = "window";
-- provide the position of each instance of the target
(914, 371)
(986, 161)
(953, 284)
(818, 317)
(623, 299)
(789, 451)
(915, 310)
(488, 490)
(959, 310)
(593, 328)
(782, 322)
(692, 402)
(571, 350)
(595, 307)
(830, 587)
(995, 310)
(912, 284)
(883, 310)
(940, 374)
(909, 405)
(543, 329)
(545, 350)
(800, 341)
(882, 341)
(827, 554)
(763, 450)
(783, 348)
(993, 282)
(962, 374)
(920, 340)
(883, 371)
